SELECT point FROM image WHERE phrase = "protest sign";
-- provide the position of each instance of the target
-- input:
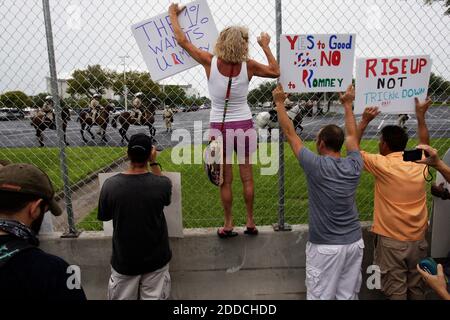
(317, 62)
(161, 52)
(391, 84)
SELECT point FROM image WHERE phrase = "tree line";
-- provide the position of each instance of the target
(84, 84)
(95, 79)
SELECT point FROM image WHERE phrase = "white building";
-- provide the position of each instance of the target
(63, 86)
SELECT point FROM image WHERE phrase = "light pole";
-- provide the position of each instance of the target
(125, 88)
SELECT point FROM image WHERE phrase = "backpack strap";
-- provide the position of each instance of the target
(13, 248)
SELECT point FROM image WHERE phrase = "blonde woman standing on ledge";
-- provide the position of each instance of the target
(231, 60)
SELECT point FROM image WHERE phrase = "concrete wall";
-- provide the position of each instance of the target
(269, 266)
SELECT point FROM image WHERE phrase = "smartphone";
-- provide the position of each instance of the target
(429, 265)
(413, 155)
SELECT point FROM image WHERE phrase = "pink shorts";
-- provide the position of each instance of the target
(238, 136)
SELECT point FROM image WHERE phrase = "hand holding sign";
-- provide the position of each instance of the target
(176, 9)
(162, 54)
(278, 95)
(422, 107)
(348, 97)
(264, 40)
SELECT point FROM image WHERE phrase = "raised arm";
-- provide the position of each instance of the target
(202, 57)
(154, 165)
(272, 70)
(422, 129)
(347, 99)
(368, 115)
(285, 123)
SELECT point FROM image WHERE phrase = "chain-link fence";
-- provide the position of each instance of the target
(95, 53)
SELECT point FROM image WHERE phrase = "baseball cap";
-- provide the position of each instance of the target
(140, 144)
(28, 179)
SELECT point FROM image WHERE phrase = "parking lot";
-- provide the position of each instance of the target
(22, 134)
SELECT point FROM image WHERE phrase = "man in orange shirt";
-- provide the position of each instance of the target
(400, 212)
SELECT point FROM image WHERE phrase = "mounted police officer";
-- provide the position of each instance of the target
(95, 106)
(138, 107)
(47, 109)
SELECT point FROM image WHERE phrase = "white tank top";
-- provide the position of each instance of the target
(238, 109)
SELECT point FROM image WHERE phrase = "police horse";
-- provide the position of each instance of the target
(268, 120)
(101, 120)
(127, 119)
(41, 123)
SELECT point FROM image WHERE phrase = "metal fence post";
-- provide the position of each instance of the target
(72, 232)
(281, 226)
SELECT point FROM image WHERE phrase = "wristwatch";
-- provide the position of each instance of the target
(155, 164)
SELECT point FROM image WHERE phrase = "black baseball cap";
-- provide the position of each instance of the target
(28, 179)
(140, 144)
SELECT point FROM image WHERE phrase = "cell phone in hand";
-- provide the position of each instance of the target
(413, 155)
(429, 265)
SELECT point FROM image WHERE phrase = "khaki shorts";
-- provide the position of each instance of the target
(150, 286)
(398, 261)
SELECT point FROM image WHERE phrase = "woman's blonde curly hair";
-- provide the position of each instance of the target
(232, 45)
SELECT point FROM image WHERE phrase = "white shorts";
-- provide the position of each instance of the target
(333, 272)
(150, 286)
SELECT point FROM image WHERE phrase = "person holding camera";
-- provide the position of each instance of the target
(437, 282)
(135, 201)
(400, 207)
(434, 161)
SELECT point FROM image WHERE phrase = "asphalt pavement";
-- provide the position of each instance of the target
(15, 134)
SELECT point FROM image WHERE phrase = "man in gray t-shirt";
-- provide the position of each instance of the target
(335, 249)
(332, 183)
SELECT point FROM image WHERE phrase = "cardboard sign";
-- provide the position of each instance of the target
(161, 52)
(172, 213)
(440, 236)
(391, 84)
(317, 62)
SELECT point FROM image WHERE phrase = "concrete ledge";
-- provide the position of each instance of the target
(269, 266)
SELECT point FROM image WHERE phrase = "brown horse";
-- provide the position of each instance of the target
(101, 120)
(126, 119)
(41, 123)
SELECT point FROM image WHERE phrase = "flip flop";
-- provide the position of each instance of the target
(226, 234)
(251, 231)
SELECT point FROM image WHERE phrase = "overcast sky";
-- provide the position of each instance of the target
(98, 32)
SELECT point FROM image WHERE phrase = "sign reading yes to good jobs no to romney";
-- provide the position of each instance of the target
(392, 83)
(161, 52)
(317, 62)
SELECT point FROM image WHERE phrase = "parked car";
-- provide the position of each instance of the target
(118, 110)
(193, 109)
(11, 114)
